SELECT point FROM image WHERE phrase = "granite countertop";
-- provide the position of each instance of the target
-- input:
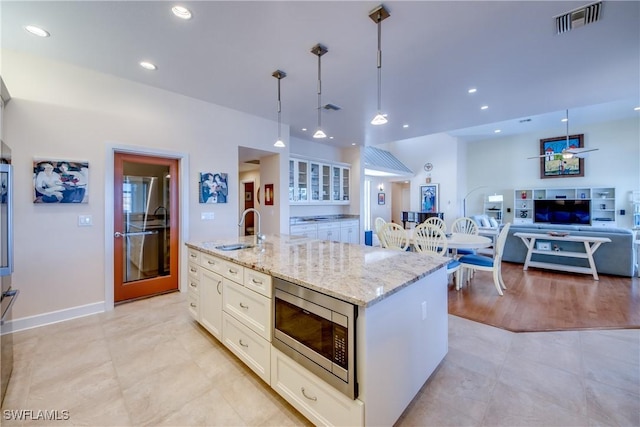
(361, 275)
(321, 218)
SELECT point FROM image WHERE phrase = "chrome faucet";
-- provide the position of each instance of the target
(259, 237)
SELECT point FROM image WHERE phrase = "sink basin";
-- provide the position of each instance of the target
(234, 246)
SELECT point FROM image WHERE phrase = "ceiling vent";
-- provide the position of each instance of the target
(578, 17)
(332, 107)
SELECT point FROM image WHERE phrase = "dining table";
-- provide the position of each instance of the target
(457, 241)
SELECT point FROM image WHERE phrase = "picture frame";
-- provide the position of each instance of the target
(429, 196)
(268, 194)
(381, 198)
(553, 165)
(248, 196)
(60, 181)
(543, 246)
(213, 188)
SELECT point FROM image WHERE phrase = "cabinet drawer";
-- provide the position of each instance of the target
(194, 256)
(233, 271)
(316, 400)
(249, 307)
(212, 263)
(347, 224)
(193, 305)
(194, 285)
(257, 281)
(254, 351)
(193, 271)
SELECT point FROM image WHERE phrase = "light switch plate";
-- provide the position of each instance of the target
(85, 220)
(207, 215)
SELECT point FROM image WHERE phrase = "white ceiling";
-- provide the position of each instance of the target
(433, 52)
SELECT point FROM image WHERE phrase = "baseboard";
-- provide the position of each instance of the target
(31, 322)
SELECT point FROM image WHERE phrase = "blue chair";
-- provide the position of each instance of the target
(485, 263)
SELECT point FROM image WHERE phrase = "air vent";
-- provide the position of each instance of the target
(578, 17)
(253, 162)
(333, 107)
(525, 120)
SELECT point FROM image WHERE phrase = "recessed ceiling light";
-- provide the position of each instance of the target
(330, 137)
(148, 65)
(497, 131)
(472, 90)
(564, 120)
(353, 143)
(181, 12)
(636, 109)
(37, 31)
(405, 125)
(304, 129)
(484, 107)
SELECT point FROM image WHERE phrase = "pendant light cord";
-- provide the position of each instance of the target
(319, 91)
(379, 61)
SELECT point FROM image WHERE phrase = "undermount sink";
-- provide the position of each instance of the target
(234, 246)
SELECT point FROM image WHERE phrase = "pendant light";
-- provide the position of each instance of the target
(278, 74)
(319, 50)
(378, 15)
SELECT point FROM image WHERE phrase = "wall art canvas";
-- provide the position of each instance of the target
(429, 198)
(553, 164)
(268, 194)
(213, 187)
(60, 181)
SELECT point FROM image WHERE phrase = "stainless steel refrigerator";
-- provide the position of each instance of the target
(9, 293)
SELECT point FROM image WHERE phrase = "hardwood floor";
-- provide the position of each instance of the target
(544, 300)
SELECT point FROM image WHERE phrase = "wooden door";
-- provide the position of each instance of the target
(146, 226)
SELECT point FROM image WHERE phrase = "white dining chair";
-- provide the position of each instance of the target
(434, 220)
(431, 239)
(394, 237)
(464, 225)
(485, 263)
(378, 223)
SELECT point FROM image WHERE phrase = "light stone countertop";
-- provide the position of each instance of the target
(361, 275)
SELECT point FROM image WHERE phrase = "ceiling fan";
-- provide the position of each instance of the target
(568, 152)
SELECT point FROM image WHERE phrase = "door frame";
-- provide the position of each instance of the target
(183, 205)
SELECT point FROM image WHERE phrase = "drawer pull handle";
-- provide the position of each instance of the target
(193, 285)
(193, 270)
(257, 282)
(218, 287)
(243, 306)
(193, 255)
(193, 305)
(232, 271)
(308, 397)
(243, 344)
(211, 262)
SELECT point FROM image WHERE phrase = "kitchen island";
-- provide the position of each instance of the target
(400, 330)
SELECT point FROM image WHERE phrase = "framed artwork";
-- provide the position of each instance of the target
(381, 198)
(553, 165)
(429, 198)
(268, 194)
(60, 181)
(213, 187)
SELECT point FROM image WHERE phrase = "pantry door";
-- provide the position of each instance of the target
(146, 226)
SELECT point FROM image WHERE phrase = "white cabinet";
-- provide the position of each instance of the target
(211, 302)
(329, 231)
(318, 182)
(307, 230)
(601, 204)
(193, 284)
(314, 398)
(253, 350)
(298, 181)
(350, 231)
(249, 307)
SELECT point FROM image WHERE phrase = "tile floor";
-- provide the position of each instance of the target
(148, 363)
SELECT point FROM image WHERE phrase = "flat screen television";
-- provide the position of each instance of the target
(562, 211)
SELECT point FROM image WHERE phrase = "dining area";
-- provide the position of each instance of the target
(469, 250)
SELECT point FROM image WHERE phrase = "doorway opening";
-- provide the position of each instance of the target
(249, 200)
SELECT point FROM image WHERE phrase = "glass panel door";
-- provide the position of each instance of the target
(326, 183)
(315, 181)
(302, 181)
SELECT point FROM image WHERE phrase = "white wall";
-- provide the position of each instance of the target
(502, 165)
(65, 112)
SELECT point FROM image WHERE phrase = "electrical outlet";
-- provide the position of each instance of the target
(85, 220)
(424, 310)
